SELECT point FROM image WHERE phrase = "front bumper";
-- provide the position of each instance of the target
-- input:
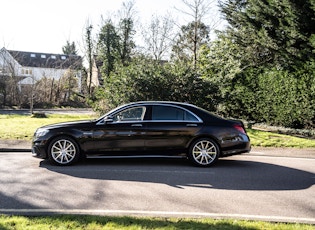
(39, 149)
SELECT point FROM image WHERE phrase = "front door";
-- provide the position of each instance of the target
(124, 133)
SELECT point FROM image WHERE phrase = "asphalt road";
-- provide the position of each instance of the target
(245, 186)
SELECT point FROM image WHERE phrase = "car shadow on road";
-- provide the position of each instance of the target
(227, 174)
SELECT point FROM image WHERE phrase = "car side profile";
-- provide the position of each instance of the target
(144, 129)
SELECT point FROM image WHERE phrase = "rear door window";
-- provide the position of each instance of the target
(170, 113)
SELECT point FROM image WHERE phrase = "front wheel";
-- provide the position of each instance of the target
(63, 151)
(203, 152)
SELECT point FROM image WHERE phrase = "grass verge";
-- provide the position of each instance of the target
(22, 127)
(99, 222)
(271, 139)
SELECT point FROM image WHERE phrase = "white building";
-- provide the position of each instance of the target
(30, 67)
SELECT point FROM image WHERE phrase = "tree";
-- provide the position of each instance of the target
(115, 43)
(263, 62)
(190, 39)
(158, 37)
(89, 54)
(196, 33)
(272, 31)
(146, 79)
(219, 63)
(126, 31)
(108, 43)
(69, 49)
(10, 80)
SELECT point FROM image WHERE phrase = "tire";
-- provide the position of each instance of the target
(203, 152)
(63, 151)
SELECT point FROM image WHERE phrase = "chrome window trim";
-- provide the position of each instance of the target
(174, 121)
(158, 121)
(128, 106)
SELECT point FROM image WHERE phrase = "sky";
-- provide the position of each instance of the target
(46, 25)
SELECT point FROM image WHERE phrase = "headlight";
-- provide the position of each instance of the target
(41, 132)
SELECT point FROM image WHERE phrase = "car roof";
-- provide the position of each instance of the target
(160, 102)
(202, 113)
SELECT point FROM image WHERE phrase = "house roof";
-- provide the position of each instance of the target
(46, 60)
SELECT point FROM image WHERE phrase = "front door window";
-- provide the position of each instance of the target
(132, 114)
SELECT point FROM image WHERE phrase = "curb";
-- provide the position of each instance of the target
(14, 150)
(15, 145)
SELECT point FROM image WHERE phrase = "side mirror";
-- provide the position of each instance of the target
(108, 119)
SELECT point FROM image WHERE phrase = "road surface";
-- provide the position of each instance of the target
(244, 186)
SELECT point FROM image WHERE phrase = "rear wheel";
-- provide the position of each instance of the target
(204, 152)
(63, 151)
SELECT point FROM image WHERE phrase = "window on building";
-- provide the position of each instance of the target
(33, 55)
(53, 56)
(43, 56)
(3, 70)
(27, 71)
(63, 57)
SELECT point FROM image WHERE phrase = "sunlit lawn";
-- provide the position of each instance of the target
(269, 139)
(98, 222)
(23, 127)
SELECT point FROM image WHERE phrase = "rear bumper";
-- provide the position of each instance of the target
(234, 145)
(244, 148)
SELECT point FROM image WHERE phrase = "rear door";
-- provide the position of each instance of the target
(170, 128)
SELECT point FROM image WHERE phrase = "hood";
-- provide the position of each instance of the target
(67, 124)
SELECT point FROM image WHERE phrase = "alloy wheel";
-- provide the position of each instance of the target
(204, 152)
(63, 151)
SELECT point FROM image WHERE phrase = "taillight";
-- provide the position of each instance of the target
(240, 128)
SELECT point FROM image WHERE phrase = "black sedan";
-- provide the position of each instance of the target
(144, 129)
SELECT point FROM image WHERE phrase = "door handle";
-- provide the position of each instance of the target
(136, 125)
(191, 125)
